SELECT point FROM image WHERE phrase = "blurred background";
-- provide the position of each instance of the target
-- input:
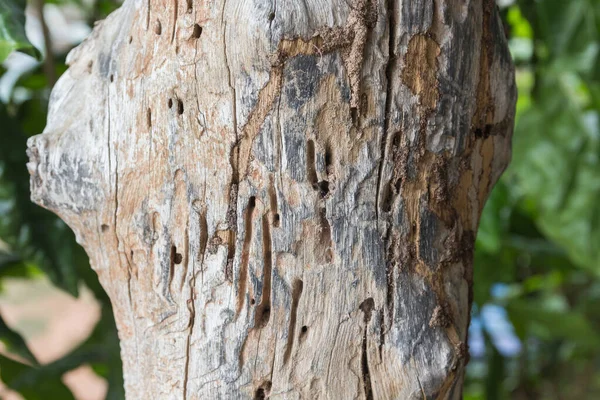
(536, 319)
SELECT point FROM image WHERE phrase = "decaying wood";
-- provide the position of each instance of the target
(281, 198)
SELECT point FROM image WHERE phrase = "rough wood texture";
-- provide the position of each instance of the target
(281, 198)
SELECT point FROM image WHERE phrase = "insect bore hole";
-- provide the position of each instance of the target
(266, 314)
(260, 394)
(197, 31)
(177, 257)
(303, 331)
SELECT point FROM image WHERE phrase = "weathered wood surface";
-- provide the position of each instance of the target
(281, 198)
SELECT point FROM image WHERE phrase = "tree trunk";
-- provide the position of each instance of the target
(281, 198)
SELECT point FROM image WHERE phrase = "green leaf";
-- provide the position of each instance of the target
(549, 323)
(556, 163)
(520, 27)
(7, 261)
(33, 383)
(12, 29)
(15, 343)
(100, 350)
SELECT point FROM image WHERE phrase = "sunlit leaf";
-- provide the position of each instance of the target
(556, 161)
(33, 383)
(15, 343)
(12, 29)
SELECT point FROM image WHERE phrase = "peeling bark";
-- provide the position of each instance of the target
(281, 199)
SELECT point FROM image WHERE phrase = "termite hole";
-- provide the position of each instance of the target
(354, 115)
(266, 314)
(260, 394)
(387, 198)
(329, 159)
(263, 390)
(197, 31)
(177, 257)
(303, 331)
(323, 188)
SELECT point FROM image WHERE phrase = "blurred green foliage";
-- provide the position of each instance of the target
(539, 235)
(537, 259)
(12, 29)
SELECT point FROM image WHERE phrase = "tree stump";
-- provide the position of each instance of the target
(281, 198)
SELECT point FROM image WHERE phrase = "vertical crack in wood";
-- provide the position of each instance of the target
(175, 11)
(148, 3)
(203, 239)
(366, 307)
(275, 217)
(296, 293)
(200, 208)
(116, 212)
(272, 16)
(381, 333)
(390, 68)
(279, 147)
(311, 169)
(391, 64)
(241, 293)
(185, 253)
(229, 76)
(192, 319)
(192, 310)
(232, 224)
(233, 158)
(172, 255)
(263, 311)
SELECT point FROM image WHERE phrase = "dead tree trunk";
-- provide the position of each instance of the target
(281, 198)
